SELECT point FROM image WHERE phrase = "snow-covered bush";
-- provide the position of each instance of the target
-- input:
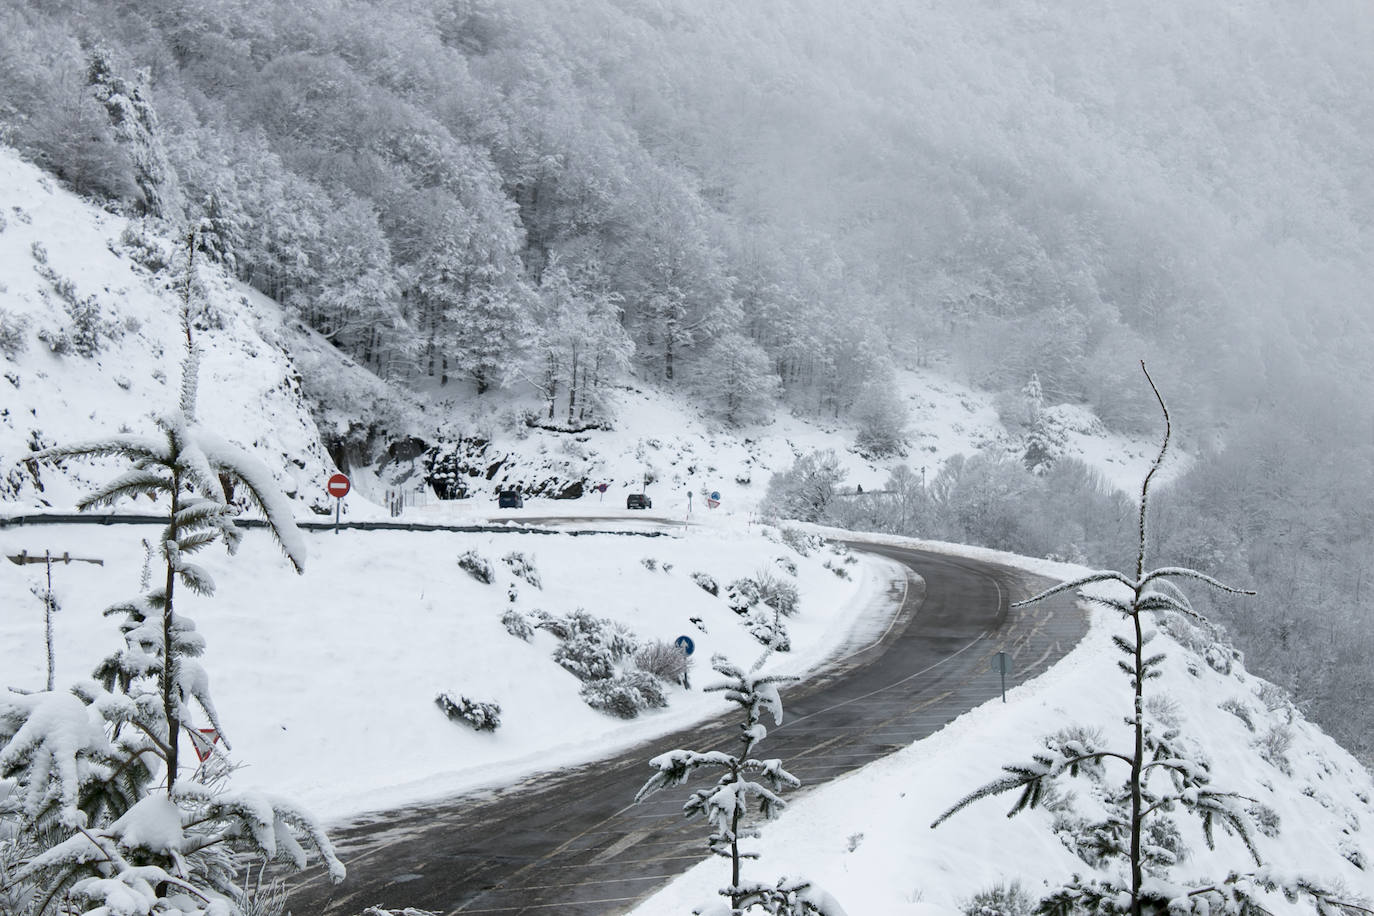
(663, 660)
(1240, 710)
(777, 592)
(625, 695)
(706, 582)
(803, 542)
(517, 624)
(522, 567)
(742, 594)
(787, 565)
(649, 563)
(481, 715)
(476, 566)
(13, 334)
(1000, 900)
(765, 624)
(592, 646)
(1274, 745)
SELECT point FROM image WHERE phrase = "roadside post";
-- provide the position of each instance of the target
(338, 488)
(688, 647)
(1001, 663)
(23, 558)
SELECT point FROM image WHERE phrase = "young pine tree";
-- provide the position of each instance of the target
(1163, 774)
(98, 835)
(726, 803)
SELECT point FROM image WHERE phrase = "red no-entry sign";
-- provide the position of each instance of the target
(338, 486)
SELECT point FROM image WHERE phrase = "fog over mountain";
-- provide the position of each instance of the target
(770, 206)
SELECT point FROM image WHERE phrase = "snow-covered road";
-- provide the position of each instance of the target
(574, 840)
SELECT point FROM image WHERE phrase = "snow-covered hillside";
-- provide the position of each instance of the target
(867, 837)
(321, 680)
(289, 397)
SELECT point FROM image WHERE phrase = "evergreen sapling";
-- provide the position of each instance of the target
(99, 838)
(1136, 832)
(727, 804)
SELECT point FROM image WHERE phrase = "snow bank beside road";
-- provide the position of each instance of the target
(326, 682)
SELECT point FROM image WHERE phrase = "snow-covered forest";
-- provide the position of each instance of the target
(484, 220)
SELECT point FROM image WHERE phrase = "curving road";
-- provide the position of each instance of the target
(572, 843)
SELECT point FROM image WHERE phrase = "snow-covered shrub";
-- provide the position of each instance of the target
(765, 624)
(649, 563)
(1274, 745)
(1000, 900)
(1265, 818)
(787, 565)
(1185, 633)
(625, 695)
(476, 566)
(481, 715)
(592, 646)
(1273, 696)
(663, 660)
(776, 592)
(1218, 658)
(839, 571)
(517, 624)
(13, 334)
(707, 583)
(1353, 854)
(1241, 711)
(1165, 709)
(742, 594)
(142, 247)
(522, 567)
(802, 542)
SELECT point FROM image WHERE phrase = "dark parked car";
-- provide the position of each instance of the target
(638, 501)
(510, 499)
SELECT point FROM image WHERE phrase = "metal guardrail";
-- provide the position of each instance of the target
(109, 518)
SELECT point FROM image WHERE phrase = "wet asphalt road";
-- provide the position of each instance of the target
(573, 843)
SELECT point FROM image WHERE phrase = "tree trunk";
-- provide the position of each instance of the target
(169, 667)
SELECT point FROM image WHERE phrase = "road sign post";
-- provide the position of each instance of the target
(688, 647)
(23, 558)
(338, 487)
(1001, 663)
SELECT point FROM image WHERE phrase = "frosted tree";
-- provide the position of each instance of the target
(745, 784)
(735, 379)
(805, 490)
(104, 837)
(1136, 832)
(134, 122)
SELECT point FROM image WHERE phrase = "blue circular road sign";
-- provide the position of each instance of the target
(685, 644)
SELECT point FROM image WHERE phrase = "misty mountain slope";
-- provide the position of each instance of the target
(290, 397)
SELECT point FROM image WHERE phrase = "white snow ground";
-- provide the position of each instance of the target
(325, 683)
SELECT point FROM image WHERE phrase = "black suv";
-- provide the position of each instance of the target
(510, 499)
(638, 501)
